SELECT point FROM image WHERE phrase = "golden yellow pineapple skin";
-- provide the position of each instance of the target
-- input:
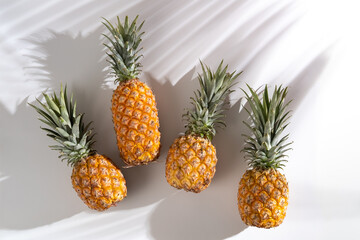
(136, 122)
(98, 182)
(263, 198)
(191, 163)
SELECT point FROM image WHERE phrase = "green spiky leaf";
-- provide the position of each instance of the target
(209, 101)
(124, 39)
(65, 127)
(268, 117)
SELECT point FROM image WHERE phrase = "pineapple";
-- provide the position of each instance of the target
(263, 191)
(191, 160)
(134, 111)
(95, 178)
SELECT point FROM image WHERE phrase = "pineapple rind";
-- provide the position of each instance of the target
(263, 198)
(98, 182)
(191, 163)
(136, 122)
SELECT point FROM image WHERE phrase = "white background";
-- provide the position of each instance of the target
(310, 46)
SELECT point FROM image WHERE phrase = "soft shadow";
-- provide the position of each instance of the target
(75, 61)
(202, 216)
(39, 181)
(307, 78)
(37, 189)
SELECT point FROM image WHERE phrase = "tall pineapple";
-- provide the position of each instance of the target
(134, 111)
(191, 160)
(263, 191)
(95, 178)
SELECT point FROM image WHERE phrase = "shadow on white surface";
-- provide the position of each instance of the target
(39, 183)
(307, 77)
(36, 191)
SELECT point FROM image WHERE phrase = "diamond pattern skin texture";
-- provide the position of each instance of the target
(263, 198)
(98, 182)
(136, 122)
(191, 163)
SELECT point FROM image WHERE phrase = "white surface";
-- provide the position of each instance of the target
(312, 46)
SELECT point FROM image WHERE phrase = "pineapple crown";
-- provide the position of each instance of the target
(209, 100)
(268, 119)
(65, 127)
(125, 39)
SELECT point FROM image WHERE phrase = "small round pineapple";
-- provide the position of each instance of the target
(134, 111)
(95, 178)
(191, 160)
(98, 182)
(263, 191)
(191, 163)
